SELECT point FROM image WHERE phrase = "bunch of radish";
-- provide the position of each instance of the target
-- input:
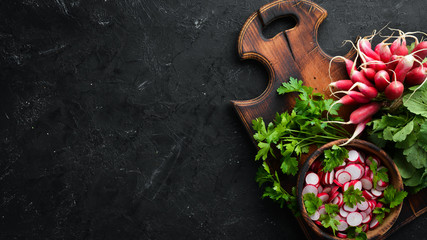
(331, 186)
(380, 75)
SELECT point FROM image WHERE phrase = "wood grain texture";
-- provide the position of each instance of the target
(296, 53)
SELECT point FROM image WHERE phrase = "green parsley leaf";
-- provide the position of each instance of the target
(380, 213)
(328, 219)
(293, 85)
(393, 197)
(357, 233)
(378, 174)
(334, 157)
(311, 203)
(353, 196)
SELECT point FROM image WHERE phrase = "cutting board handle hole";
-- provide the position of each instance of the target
(279, 25)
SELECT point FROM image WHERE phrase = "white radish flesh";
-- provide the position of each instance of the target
(357, 185)
(367, 219)
(343, 213)
(342, 226)
(367, 195)
(353, 156)
(344, 177)
(309, 189)
(376, 193)
(312, 178)
(315, 216)
(323, 196)
(374, 223)
(350, 209)
(354, 219)
(354, 170)
(362, 206)
(366, 183)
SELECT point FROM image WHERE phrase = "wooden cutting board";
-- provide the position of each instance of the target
(296, 53)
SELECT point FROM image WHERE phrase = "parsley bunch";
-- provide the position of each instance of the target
(352, 196)
(328, 219)
(406, 129)
(391, 198)
(378, 174)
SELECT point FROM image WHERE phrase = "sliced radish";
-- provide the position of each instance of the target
(334, 190)
(365, 228)
(312, 178)
(367, 219)
(374, 223)
(350, 209)
(331, 176)
(345, 186)
(366, 183)
(373, 203)
(342, 226)
(380, 188)
(341, 235)
(333, 196)
(367, 195)
(362, 206)
(376, 193)
(320, 189)
(354, 219)
(323, 196)
(344, 177)
(315, 166)
(355, 170)
(353, 156)
(381, 183)
(343, 213)
(315, 216)
(372, 158)
(337, 217)
(337, 183)
(322, 210)
(318, 223)
(337, 172)
(368, 211)
(363, 214)
(379, 205)
(337, 200)
(309, 189)
(357, 185)
(327, 189)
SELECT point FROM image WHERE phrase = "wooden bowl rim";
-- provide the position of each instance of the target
(356, 143)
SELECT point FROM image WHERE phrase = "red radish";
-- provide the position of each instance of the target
(342, 84)
(347, 100)
(405, 64)
(320, 189)
(333, 196)
(342, 226)
(338, 201)
(379, 205)
(394, 60)
(416, 76)
(394, 90)
(331, 177)
(359, 129)
(354, 170)
(360, 77)
(312, 178)
(309, 189)
(343, 213)
(337, 183)
(366, 183)
(334, 190)
(354, 219)
(377, 48)
(369, 73)
(364, 112)
(341, 235)
(367, 219)
(376, 193)
(374, 223)
(359, 97)
(365, 228)
(343, 177)
(381, 183)
(401, 51)
(373, 203)
(362, 206)
(380, 188)
(349, 209)
(382, 80)
(315, 166)
(318, 223)
(385, 53)
(369, 92)
(315, 216)
(323, 196)
(373, 158)
(350, 66)
(396, 43)
(353, 156)
(419, 52)
(368, 211)
(365, 48)
(322, 210)
(363, 214)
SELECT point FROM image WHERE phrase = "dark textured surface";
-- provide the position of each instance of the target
(116, 122)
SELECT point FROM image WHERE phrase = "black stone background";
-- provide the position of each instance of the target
(116, 120)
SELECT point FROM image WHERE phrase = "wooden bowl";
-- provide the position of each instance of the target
(369, 148)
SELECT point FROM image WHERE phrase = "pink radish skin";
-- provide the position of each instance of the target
(381, 183)
(354, 219)
(312, 178)
(382, 80)
(419, 52)
(334, 190)
(367, 195)
(344, 85)
(320, 189)
(318, 223)
(347, 100)
(309, 189)
(396, 43)
(333, 196)
(369, 92)
(367, 219)
(358, 130)
(365, 47)
(369, 73)
(358, 97)
(364, 112)
(405, 64)
(385, 53)
(416, 76)
(401, 51)
(377, 48)
(373, 158)
(360, 77)
(337, 172)
(341, 235)
(394, 90)
(337, 183)
(350, 66)
(394, 60)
